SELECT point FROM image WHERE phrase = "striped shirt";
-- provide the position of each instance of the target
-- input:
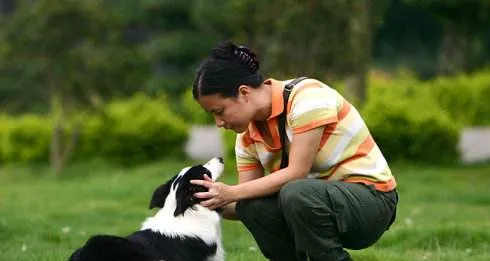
(347, 150)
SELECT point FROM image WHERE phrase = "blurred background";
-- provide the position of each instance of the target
(98, 92)
(112, 79)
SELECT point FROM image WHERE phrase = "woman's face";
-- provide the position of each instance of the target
(229, 112)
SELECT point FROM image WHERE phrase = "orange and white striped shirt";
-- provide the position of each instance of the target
(347, 150)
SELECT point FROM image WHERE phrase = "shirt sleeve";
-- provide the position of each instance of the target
(312, 106)
(246, 154)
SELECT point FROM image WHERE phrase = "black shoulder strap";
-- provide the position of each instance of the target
(282, 120)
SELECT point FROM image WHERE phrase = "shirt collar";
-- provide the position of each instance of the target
(277, 100)
(277, 88)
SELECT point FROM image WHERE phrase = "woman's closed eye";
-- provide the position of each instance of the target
(218, 113)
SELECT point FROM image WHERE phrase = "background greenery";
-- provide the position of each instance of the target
(105, 79)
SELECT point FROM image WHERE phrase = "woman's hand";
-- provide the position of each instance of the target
(218, 194)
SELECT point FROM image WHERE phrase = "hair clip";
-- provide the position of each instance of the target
(246, 55)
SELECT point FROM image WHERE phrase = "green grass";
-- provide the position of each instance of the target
(444, 212)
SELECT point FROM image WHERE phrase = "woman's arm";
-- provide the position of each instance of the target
(246, 176)
(304, 149)
(228, 211)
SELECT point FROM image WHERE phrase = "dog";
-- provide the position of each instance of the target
(182, 230)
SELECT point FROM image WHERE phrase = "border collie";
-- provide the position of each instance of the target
(182, 230)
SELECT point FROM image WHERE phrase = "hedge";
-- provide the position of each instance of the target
(407, 124)
(136, 130)
(465, 97)
(191, 111)
(409, 119)
(25, 138)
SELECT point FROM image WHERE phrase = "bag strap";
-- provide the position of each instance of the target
(282, 120)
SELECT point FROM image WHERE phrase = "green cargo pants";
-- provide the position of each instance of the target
(315, 220)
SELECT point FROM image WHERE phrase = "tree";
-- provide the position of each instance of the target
(68, 52)
(174, 45)
(315, 38)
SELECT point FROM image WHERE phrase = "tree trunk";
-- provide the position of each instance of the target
(56, 135)
(361, 43)
(61, 152)
(70, 147)
(355, 87)
(452, 53)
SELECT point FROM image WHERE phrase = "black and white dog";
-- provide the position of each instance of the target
(181, 230)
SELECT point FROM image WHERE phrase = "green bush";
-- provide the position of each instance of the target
(192, 112)
(407, 124)
(465, 97)
(136, 130)
(228, 138)
(132, 131)
(25, 138)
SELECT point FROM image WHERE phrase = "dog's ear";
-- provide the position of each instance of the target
(160, 194)
(105, 247)
(183, 205)
(185, 197)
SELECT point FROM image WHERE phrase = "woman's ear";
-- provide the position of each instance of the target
(244, 92)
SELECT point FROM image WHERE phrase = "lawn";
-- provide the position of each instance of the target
(444, 212)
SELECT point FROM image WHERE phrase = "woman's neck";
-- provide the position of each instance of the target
(263, 103)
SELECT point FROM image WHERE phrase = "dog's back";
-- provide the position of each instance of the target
(144, 245)
(111, 248)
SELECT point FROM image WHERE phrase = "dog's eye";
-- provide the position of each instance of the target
(197, 189)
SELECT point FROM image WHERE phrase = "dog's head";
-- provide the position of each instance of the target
(180, 190)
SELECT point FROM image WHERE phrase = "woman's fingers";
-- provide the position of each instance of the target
(205, 195)
(200, 182)
(208, 203)
(206, 177)
(211, 198)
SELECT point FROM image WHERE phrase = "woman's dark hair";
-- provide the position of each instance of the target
(228, 67)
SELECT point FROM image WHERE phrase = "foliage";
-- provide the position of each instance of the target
(465, 97)
(465, 27)
(116, 48)
(467, 15)
(229, 138)
(139, 130)
(407, 124)
(130, 131)
(321, 39)
(175, 45)
(71, 49)
(278, 29)
(25, 138)
(191, 110)
(74, 53)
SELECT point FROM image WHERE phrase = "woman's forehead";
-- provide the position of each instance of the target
(214, 100)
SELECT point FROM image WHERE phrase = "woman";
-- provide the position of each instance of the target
(337, 190)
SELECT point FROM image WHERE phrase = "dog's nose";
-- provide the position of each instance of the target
(221, 160)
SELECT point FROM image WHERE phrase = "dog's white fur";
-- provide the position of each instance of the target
(199, 222)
